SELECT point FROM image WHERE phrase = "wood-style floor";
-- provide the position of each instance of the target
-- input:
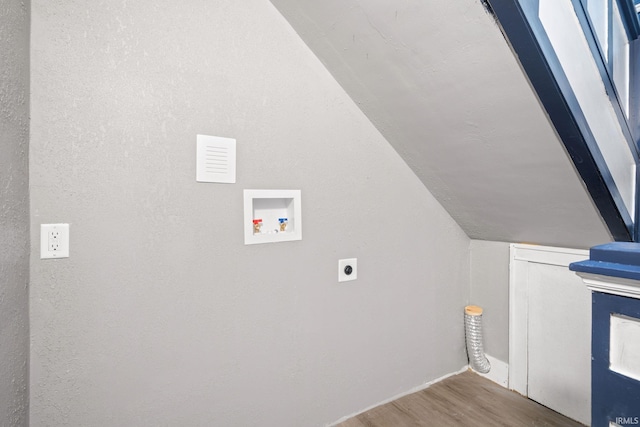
(465, 399)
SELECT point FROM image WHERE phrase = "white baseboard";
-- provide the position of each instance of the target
(499, 372)
(398, 396)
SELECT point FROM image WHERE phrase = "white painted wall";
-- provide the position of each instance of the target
(14, 213)
(162, 315)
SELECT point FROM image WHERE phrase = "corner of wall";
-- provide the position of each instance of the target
(14, 214)
(490, 290)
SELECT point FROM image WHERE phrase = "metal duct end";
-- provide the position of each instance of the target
(473, 332)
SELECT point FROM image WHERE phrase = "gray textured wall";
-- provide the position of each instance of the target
(490, 290)
(161, 316)
(14, 212)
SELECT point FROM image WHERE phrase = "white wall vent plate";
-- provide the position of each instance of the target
(216, 159)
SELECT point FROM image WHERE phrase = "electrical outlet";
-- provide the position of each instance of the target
(54, 241)
(347, 269)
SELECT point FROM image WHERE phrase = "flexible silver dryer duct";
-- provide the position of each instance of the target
(473, 332)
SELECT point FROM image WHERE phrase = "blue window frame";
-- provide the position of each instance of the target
(526, 34)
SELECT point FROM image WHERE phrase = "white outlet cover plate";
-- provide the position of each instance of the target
(342, 263)
(62, 243)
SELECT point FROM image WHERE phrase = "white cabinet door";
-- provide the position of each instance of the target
(550, 329)
(559, 341)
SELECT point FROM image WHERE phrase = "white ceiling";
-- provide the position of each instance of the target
(438, 80)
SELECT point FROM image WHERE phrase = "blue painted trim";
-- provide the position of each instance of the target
(607, 269)
(634, 91)
(583, 126)
(634, 116)
(629, 18)
(617, 252)
(540, 71)
(636, 229)
(612, 395)
(631, 126)
(606, 75)
(619, 259)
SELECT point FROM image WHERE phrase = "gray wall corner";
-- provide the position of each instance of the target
(490, 290)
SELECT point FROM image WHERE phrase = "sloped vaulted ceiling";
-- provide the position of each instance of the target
(438, 80)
